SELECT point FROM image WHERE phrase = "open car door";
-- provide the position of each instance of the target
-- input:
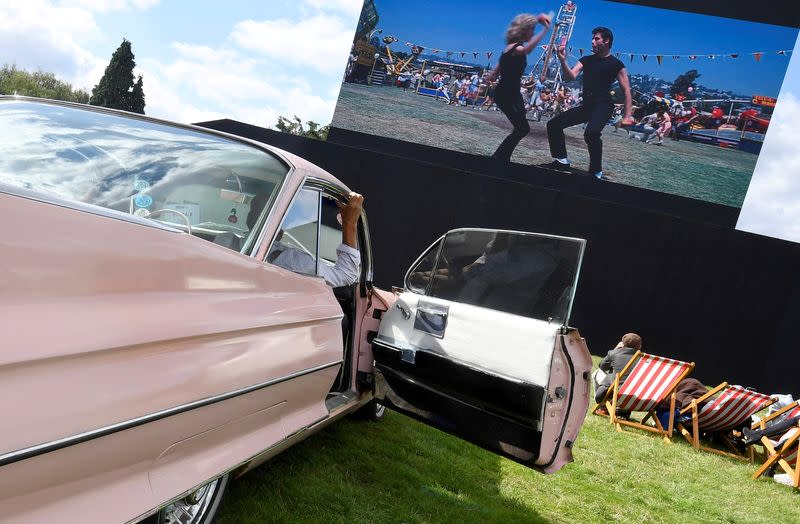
(478, 344)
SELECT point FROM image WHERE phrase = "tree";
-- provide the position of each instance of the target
(39, 84)
(295, 127)
(682, 84)
(116, 88)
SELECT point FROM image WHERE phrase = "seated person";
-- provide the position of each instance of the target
(614, 362)
(751, 436)
(345, 271)
(687, 390)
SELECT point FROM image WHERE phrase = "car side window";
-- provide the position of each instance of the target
(421, 274)
(529, 275)
(296, 245)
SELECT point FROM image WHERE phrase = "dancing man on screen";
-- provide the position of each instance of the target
(600, 69)
(520, 41)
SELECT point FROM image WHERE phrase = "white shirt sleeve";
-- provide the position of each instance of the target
(343, 273)
(346, 270)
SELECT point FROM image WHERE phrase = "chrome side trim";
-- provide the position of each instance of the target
(47, 447)
(289, 438)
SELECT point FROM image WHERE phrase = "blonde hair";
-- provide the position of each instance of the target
(520, 26)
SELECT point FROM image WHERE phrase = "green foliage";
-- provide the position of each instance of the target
(295, 126)
(401, 471)
(682, 84)
(117, 88)
(39, 84)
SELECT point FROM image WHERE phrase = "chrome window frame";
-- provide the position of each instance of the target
(341, 193)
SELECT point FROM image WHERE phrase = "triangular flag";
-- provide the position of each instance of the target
(734, 55)
(631, 58)
(659, 58)
(618, 55)
(489, 54)
(692, 57)
(462, 54)
(781, 52)
(475, 55)
(644, 58)
(712, 57)
(580, 50)
(758, 56)
(676, 57)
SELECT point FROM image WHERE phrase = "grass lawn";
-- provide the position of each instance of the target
(400, 471)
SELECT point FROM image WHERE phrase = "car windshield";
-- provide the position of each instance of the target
(218, 188)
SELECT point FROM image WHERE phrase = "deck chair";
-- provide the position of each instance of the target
(786, 457)
(722, 414)
(652, 381)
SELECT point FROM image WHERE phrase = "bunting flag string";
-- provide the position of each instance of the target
(757, 55)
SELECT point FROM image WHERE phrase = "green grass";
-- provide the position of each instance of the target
(401, 471)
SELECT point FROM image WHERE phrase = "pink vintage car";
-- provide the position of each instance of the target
(152, 351)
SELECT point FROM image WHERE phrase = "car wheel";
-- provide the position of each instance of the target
(199, 507)
(373, 411)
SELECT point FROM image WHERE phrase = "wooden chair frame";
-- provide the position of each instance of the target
(613, 392)
(694, 436)
(789, 447)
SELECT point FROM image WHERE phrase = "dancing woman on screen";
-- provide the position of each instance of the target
(520, 41)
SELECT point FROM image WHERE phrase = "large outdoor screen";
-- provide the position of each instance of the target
(702, 88)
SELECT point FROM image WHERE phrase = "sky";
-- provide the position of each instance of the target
(772, 204)
(253, 61)
(470, 25)
(200, 60)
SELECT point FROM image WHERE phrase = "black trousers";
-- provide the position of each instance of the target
(595, 115)
(512, 105)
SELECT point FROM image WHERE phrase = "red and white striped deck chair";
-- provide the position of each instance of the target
(722, 414)
(786, 457)
(652, 380)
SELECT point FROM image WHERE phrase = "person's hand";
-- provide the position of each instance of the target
(562, 53)
(544, 20)
(619, 345)
(352, 210)
(627, 121)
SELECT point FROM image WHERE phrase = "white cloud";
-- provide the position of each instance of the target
(104, 6)
(772, 204)
(348, 7)
(263, 69)
(321, 42)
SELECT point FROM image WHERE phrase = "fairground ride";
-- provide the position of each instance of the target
(397, 67)
(546, 69)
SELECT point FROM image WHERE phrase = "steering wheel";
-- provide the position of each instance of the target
(167, 210)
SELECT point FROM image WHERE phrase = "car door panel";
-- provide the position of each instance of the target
(169, 331)
(501, 380)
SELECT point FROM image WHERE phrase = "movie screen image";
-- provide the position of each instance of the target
(664, 100)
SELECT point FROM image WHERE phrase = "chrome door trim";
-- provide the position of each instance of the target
(47, 447)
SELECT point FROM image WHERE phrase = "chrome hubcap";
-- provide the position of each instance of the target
(192, 508)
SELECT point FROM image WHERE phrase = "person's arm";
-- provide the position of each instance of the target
(624, 83)
(534, 41)
(605, 364)
(348, 259)
(351, 212)
(569, 73)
